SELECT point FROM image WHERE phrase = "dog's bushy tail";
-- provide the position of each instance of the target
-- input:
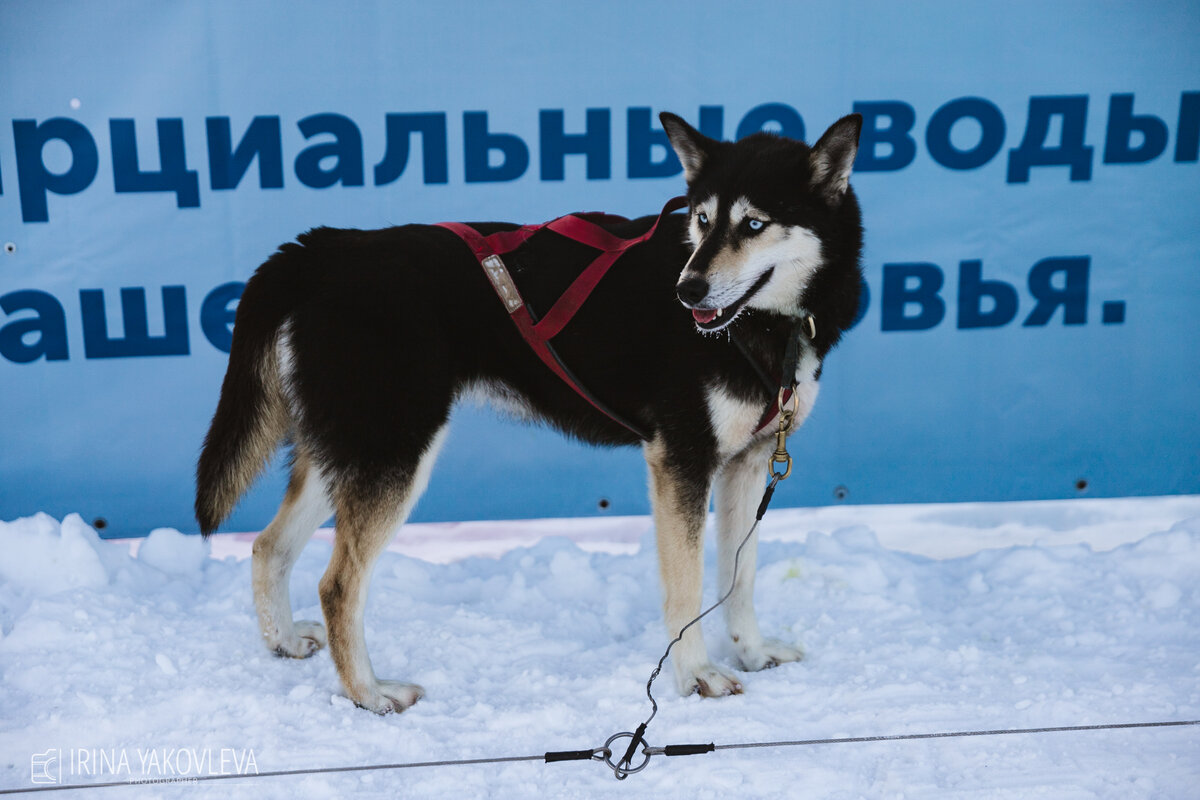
(251, 417)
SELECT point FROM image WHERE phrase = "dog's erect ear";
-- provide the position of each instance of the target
(692, 146)
(833, 157)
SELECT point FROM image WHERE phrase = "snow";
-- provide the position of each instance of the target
(143, 661)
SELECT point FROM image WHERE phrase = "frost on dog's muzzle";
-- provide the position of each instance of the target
(714, 319)
(692, 292)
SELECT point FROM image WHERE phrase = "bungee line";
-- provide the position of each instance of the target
(621, 769)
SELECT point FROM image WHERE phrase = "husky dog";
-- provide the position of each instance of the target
(353, 346)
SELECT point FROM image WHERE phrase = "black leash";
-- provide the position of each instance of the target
(805, 326)
(791, 359)
(623, 768)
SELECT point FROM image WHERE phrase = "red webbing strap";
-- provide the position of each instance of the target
(576, 294)
(487, 250)
(773, 410)
(586, 232)
(581, 228)
(494, 244)
(524, 322)
(518, 312)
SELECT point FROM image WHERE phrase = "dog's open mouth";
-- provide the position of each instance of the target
(714, 319)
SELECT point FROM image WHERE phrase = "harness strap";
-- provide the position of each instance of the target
(785, 387)
(777, 404)
(772, 412)
(583, 228)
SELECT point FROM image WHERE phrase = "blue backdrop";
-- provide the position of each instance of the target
(1028, 175)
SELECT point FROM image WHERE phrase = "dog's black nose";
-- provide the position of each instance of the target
(692, 290)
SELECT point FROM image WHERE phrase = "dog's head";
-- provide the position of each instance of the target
(761, 213)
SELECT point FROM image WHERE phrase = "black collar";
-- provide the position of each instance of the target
(805, 326)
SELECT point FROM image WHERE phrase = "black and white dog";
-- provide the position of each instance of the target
(353, 346)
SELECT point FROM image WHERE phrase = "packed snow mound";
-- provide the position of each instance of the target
(43, 556)
(549, 647)
(173, 552)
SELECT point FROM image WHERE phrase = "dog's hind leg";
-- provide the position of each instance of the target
(368, 513)
(305, 506)
(680, 507)
(739, 488)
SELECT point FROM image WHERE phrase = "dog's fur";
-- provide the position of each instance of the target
(354, 345)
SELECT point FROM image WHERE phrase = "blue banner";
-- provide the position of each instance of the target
(1027, 171)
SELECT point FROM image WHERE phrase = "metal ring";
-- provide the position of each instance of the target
(775, 473)
(795, 403)
(620, 772)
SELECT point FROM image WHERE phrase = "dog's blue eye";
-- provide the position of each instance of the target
(702, 218)
(755, 224)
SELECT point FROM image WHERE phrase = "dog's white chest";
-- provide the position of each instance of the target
(735, 422)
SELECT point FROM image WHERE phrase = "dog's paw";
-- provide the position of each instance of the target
(709, 681)
(306, 638)
(387, 697)
(768, 653)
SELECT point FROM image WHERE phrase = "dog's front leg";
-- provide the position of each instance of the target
(739, 488)
(680, 500)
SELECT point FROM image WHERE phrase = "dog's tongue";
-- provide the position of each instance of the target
(704, 315)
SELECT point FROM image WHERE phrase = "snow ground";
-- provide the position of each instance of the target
(915, 619)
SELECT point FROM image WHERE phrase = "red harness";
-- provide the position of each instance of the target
(582, 228)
